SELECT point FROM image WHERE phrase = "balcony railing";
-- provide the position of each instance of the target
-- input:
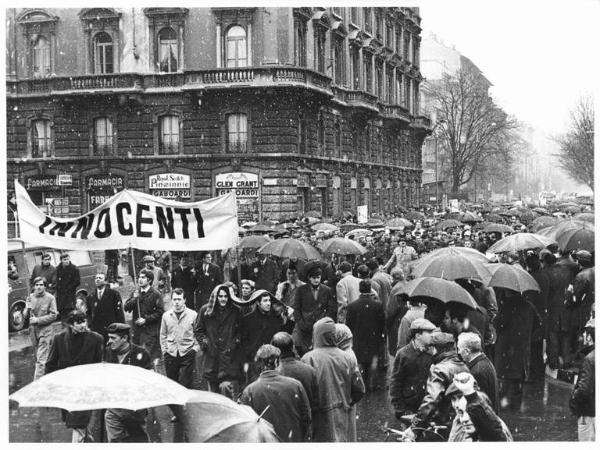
(237, 146)
(396, 112)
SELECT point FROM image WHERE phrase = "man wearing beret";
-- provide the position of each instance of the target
(411, 368)
(124, 425)
(446, 363)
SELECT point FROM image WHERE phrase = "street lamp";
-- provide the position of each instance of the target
(442, 124)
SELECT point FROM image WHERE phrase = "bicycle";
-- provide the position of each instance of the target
(429, 434)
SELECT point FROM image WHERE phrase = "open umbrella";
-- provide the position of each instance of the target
(540, 210)
(527, 217)
(543, 222)
(520, 241)
(481, 225)
(100, 386)
(452, 266)
(359, 232)
(572, 209)
(579, 238)
(374, 222)
(561, 226)
(494, 218)
(440, 289)
(248, 224)
(448, 223)
(588, 217)
(468, 252)
(568, 205)
(289, 248)
(263, 228)
(211, 417)
(398, 223)
(512, 277)
(342, 246)
(326, 227)
(414, 215)
(498, 228)
(254, 241)
(469, 217)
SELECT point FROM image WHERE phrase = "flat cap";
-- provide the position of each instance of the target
(583, 256)
(441, 338)
(118, 328)
(148, 258)
(422, 324)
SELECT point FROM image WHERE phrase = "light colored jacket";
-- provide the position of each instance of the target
(346, 292)
(177, 334)
(43, 307)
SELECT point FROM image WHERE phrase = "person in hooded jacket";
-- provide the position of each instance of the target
(341, 385)
(217, 330)
(268, 316)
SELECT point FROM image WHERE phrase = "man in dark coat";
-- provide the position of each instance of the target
(146, 306)
(582, 298)
(515, 322)
(183, 276)
(411, 369)
(470, 351)
(47, 271)
(366, 319)
(312, 302)
(583, 397)
(280, 400)
(208, 276)
(294, 262)
(72, 347)
(266, 273)
(291, 366)
(104, 306)
(67, 280)
(125, 425)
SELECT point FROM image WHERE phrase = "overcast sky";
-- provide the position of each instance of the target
(541, 56)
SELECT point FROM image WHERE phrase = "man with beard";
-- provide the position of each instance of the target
(72, 347)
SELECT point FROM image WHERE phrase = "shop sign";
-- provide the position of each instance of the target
(244, 184)
(170, 185)
(303, 180)
(64, 180)
(108, 182)
(320, 180)
(41, 182)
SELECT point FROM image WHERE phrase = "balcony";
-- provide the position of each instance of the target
(395, 112)
(235, 146)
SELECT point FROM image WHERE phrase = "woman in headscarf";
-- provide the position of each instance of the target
(267, 317)
(217, 330)
(344, 341)
(340, 385)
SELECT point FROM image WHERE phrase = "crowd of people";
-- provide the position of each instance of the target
(301, 342)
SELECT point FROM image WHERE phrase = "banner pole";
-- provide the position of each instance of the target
(239, 270)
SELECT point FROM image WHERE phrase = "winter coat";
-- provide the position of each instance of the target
(583, 401)
(62, 355)
(409, 378)
(396, 309)
(435, 405)
(184, 278)
(540, 301)
(382, 285)
(488, 426)
(217, 330)
(366, 320)
(515, 322)
(307, 311)
(104, 311)
(346, 291)
(282, 401)
(67, 281)
(266, 275)
(149, 305)
(583, 293)
(47, 272)
(560, 277)
(340, 386)
(205, 282)
(292, 367)
(484, 373)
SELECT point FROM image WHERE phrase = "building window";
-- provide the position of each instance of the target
(340, 66)
(301, 134)
(300, 42)
(399, 41)
(415, 102)
(41, 57)
(354, 15)
(389, 91)
(379, 79)
(41, 138)
(368, 63)
(406, 46)
(103, 136)
(379, 25)
(415, 53)
(407, 93)
(398, 96)
(368, 143)
(338, 139)
(338, 11)
(368, 18)
(235, 47)
(367, 193)
(167, 50)
(237, 133)
(169, 134)
(355, 68)
(353, 199)
(321, 133)
(320, 43)
(389, 35)
(103, 53)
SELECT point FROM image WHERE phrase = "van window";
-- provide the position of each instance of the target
(80, 257)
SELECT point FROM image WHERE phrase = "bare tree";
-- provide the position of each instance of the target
(576, 146)
(472, 122)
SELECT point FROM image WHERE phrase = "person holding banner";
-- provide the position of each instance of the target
(146, 305)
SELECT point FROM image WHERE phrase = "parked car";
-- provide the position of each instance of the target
(22, 258)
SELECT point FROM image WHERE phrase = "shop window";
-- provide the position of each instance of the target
(41, 57)
(41, 138)
(103, 136)
(103, 54)
(237, 133)
(353, 195)
(235, 47)
(167, 50)
(169, 134)
(300, 42)
(366, 200)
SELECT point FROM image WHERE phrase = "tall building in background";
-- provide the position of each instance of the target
(295, 109)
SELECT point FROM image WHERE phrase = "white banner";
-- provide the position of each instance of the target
(362, 213)
(135, 219)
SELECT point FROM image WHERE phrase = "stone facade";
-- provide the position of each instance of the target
(291, 133)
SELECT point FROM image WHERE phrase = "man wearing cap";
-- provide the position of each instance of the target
(411, 368)
(67, 280)
(416, 310)
(72, 347)
(446, 363)
(280, 400)
(582, 402)
(160, 278)
(124, 425)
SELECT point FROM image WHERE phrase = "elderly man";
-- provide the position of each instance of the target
(278, 399)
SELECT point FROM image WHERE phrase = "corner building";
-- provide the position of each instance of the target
(296, 109)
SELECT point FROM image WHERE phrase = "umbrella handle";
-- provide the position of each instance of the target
(263, 413)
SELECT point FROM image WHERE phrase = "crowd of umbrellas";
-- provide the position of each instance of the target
(212, 417)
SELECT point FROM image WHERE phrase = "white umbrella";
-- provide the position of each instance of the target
(102, 386)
